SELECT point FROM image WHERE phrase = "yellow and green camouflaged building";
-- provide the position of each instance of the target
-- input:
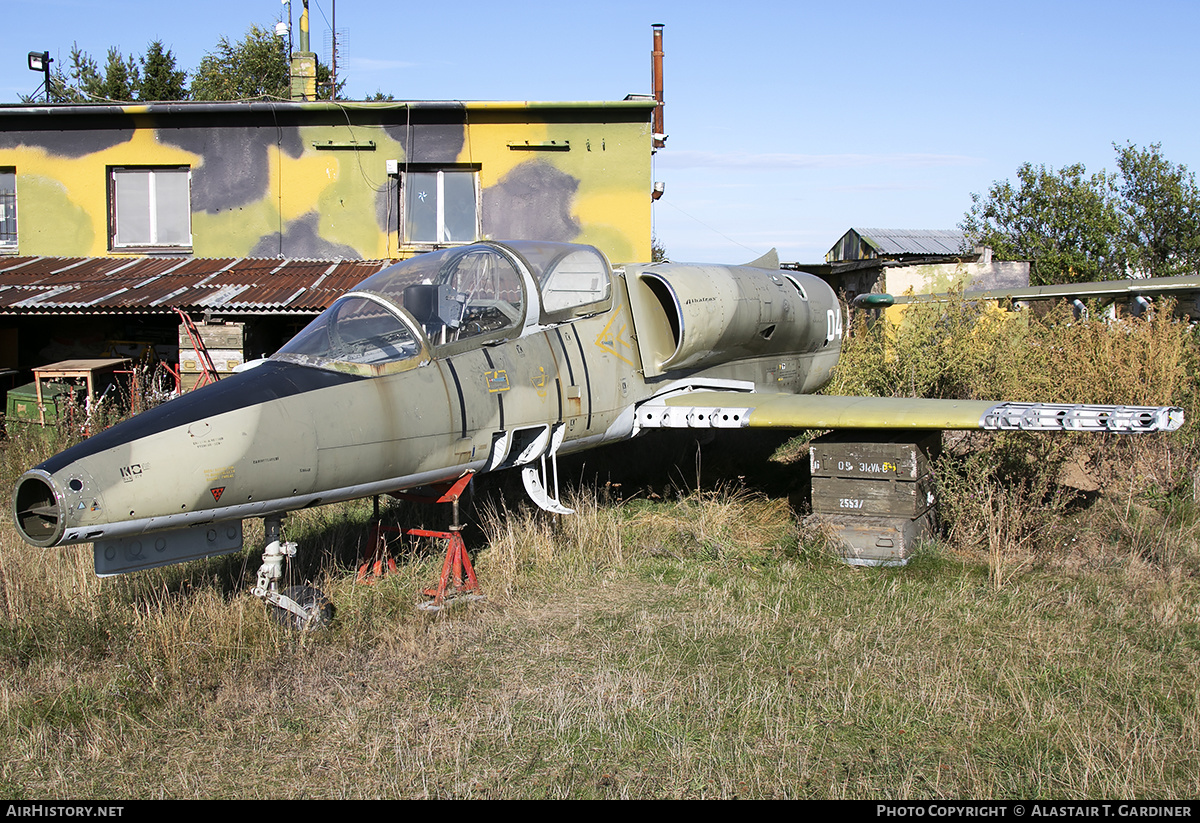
(322, 180)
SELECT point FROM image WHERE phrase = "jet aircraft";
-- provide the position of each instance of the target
(474, 359)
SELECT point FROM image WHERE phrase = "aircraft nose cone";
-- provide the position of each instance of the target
(38, 509)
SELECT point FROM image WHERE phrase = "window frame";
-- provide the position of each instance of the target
(152, 243)
(9, 246)
(441, 171)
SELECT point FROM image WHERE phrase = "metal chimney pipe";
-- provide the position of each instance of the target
(656, 71)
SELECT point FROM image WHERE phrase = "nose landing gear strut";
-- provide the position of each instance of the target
(297, 607)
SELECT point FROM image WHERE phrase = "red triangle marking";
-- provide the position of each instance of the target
(216, 493)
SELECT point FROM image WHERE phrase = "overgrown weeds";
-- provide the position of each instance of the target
(1025, 499)
(976, 351)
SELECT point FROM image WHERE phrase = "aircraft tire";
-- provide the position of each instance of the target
(313, 601)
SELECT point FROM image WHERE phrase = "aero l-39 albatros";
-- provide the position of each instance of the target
(474, 359)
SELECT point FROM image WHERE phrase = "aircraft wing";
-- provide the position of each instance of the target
(736, 409)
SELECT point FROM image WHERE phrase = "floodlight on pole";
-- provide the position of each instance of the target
(40, 61)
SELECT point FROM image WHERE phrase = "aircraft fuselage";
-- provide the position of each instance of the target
(406, 382)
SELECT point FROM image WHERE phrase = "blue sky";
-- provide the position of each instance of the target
(789, 122)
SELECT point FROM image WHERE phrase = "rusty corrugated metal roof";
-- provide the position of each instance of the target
(157, 285)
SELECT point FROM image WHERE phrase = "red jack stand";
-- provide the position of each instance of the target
(376, 560)
(457, 561)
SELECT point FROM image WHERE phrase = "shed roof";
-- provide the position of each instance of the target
(156, 285)
(898, 242)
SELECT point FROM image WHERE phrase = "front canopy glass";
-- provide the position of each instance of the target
(355, 330)
(472, 292)
(456, 294)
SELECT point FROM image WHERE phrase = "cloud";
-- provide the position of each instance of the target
(781, 160)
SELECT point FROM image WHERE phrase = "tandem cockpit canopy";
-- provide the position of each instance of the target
(450, 300)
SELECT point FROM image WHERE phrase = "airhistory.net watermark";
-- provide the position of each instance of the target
(61, 810)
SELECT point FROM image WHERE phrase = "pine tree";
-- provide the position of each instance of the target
(120, 79)
(82, 83)
(160, 79)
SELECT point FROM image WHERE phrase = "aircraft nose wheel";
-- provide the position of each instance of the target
(298, 607)
(317, 610)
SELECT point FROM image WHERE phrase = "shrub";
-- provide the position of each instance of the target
(1008, 492)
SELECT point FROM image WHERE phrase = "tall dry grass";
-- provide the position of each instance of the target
(978, 351)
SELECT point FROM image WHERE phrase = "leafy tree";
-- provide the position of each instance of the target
(1066, 223)
(1161, 206)
(160, 79)
(255, 66)
(325, 84)
(1142, 221)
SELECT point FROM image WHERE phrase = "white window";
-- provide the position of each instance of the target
(8, 209)
(151, 208)
(441, 207)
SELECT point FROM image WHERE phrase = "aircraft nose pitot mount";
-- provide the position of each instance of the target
(474, 359)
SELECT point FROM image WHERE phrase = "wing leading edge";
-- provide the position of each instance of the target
(733, 409)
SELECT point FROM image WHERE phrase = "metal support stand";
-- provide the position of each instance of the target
(457, 562)
(457, 580)
(208, 371)
(377, 561)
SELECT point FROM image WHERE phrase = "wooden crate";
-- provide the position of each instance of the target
(216, 336)
(873, 473)
(224, 360)
(877, 541)
(187, 382)
(853, 495)
(225, 344)
(874, 455)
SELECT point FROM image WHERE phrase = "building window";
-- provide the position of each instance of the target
(151, 208)
(8, 209)
(441, 207)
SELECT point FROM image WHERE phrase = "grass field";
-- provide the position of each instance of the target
(698, 645)
(686, 634)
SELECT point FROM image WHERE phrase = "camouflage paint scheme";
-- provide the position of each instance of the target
(289, 434)
(287, 180)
